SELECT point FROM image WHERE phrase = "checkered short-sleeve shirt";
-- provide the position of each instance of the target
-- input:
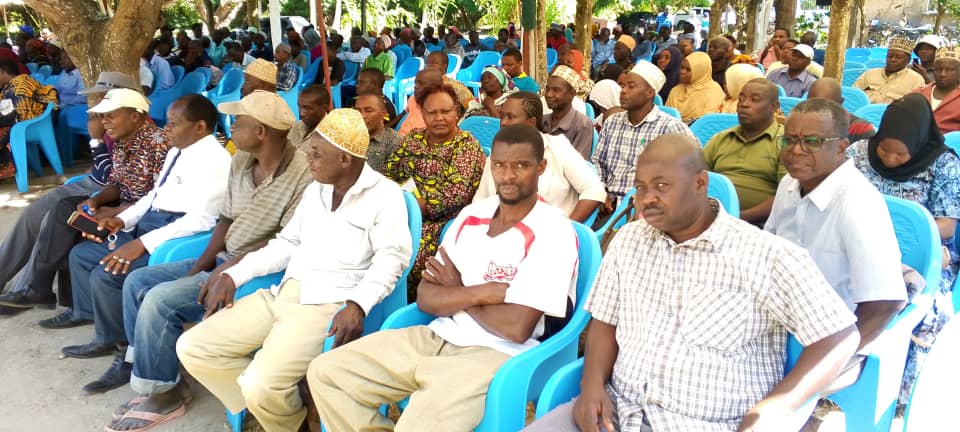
(702, 325)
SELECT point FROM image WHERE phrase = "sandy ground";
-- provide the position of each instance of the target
(41, 392)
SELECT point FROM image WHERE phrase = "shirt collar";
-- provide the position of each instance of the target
(771, 132)
(565, 123)
(709, 240)
(199, 144)
(367, 179)
(651, 117)
(827, 190)
(289, 152)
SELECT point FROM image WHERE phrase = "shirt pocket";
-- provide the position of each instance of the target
(350, 242)
(714, 317)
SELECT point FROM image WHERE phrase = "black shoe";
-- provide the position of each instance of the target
(90, 350)
(9, 311)
(64, 320)
(117, 376)
(28, 299)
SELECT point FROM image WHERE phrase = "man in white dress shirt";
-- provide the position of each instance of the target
(826, 206)
(344, 250)
(184, 201)
(504, 264)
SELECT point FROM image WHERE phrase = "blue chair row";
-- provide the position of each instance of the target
(522, 378)
(193, 83)
(853, 100)
(850, 75)
(870, 403)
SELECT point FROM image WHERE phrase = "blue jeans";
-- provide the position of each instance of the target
(157, 302)
(96, 293)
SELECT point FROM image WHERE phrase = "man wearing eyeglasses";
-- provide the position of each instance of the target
(825, 205)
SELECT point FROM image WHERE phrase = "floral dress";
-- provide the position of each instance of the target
(938, 190)
(446, 175)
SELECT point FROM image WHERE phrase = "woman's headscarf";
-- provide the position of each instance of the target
(506, 82)
(703, 95)
(910, 120)
(577, 61)
(606, 93)
(672, 72)
(737, 77)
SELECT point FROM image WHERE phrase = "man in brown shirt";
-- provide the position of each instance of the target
(561, 88)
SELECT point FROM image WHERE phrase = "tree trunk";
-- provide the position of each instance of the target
(583, 37)
(758, 14)
(716, 12)
(535, 39)
(941, 11)
(97, 43)
(786, 14)
(837, 38)
(253, 13)
(856, 23)
(206, 10)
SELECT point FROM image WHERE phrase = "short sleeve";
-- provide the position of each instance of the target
(800, 298)
(544, 277)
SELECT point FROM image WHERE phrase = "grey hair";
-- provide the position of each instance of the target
(838, 115)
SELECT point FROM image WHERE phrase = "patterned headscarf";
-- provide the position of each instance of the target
(502, 77)
(571, 77)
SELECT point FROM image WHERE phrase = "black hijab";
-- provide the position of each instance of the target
(908, 119)
(673, 71)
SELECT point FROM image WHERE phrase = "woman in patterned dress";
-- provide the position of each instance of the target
(907, 159)
(445, 164)
(27, 99)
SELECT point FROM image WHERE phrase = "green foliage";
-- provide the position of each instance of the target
(293, 8)
(181, 14)
(554, 13)
(813, 24)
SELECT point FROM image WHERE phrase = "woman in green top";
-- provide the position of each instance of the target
(380, 59)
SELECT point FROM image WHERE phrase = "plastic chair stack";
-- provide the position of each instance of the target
(483, 129)
(25, 137)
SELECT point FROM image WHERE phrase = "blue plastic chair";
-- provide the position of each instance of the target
(850, 76)
(857, 52)
(658, 101)
(45, 71)
(483, 129)
(206, 73)
(719, 187)
(401, 86)
(707, 126)
(878, 53)
(25, 137)
(854, 64)
(470, 76)
(763, 70)
(551, 58)
(291, 96)
(488, 42)
(311, 74)
(51, 80)
(178, 73)
(402, 52)
(434, 47)
(780, 91)
(71, 121)
(396, 300)
(671, 111)
(589, 112)
(454, 63)
(854, 98)
(930, 407)
(870, 403)
(521, 378)
(593, 146)
(872, 113)
(179, 249)
(31, 67)
(873, 63)
(621, 206)
(350, 71)
(787, 103)
(227, 90)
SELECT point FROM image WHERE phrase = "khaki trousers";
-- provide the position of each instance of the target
(447, 384)
(289, 335)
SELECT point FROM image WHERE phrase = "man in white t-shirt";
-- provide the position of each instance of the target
(503, 265)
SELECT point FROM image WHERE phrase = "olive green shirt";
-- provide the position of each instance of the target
(754, 167)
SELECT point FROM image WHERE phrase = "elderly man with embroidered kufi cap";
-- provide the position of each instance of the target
(259, 75)
(889, 83)
(944, 92)
(343, 250)
(626, 133)
(562, 88)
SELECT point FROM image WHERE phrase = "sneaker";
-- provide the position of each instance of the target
(28, 299)
(64, 320)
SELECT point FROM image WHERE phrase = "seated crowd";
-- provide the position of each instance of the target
(320, 197)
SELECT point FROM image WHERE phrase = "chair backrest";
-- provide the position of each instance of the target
(45, 70)
(671, 111)
(409, 68)
(787, 103)
(193, 83)
(311, 74)
(488, 42)
(51, 80)
(872, 113)
(952, 140)
(230, 84)
(402, 52)
(780, 91)
(483, 129)
(878, 53)
(658, 101)
(32, 67)
(398, 298)
(350, 71)
(721, 188)
(854, 98)
(850, 76)
(178, 72)
(159, 101)
(205, 71)
(454, 62)
(434, 47)
(918, 238)
(854, 64)
(589, 111)
(874, 63)
(484, 59)
(551, 57)
(707, 126)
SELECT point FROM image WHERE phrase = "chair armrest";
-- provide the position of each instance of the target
(562, 387)
(407, 316)
(180, 248)
(328, 342)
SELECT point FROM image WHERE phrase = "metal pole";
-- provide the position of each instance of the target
(276, 33)
(322, 29)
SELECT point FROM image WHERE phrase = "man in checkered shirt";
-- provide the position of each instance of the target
(691, 310)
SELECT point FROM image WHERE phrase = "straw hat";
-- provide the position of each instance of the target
(262, 70)
(345, 129)
(266, 107)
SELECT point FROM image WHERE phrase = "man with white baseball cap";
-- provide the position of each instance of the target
(926, 51)
(626, 133)
(794, 78)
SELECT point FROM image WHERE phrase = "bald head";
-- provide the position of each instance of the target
(675, 149)
(826, 88)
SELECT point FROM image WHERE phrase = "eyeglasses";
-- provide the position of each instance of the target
(810, 144)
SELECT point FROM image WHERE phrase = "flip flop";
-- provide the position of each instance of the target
(154, 418)
(122, 409)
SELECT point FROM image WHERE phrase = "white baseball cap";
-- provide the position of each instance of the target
(805, 50)
(931, 40)
(121, 98)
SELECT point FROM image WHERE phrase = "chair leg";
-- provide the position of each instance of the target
(33, 159)
(20, 162)
(48, 143)
(235, 421)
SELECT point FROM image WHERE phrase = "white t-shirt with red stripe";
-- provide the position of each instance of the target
(537, 257)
